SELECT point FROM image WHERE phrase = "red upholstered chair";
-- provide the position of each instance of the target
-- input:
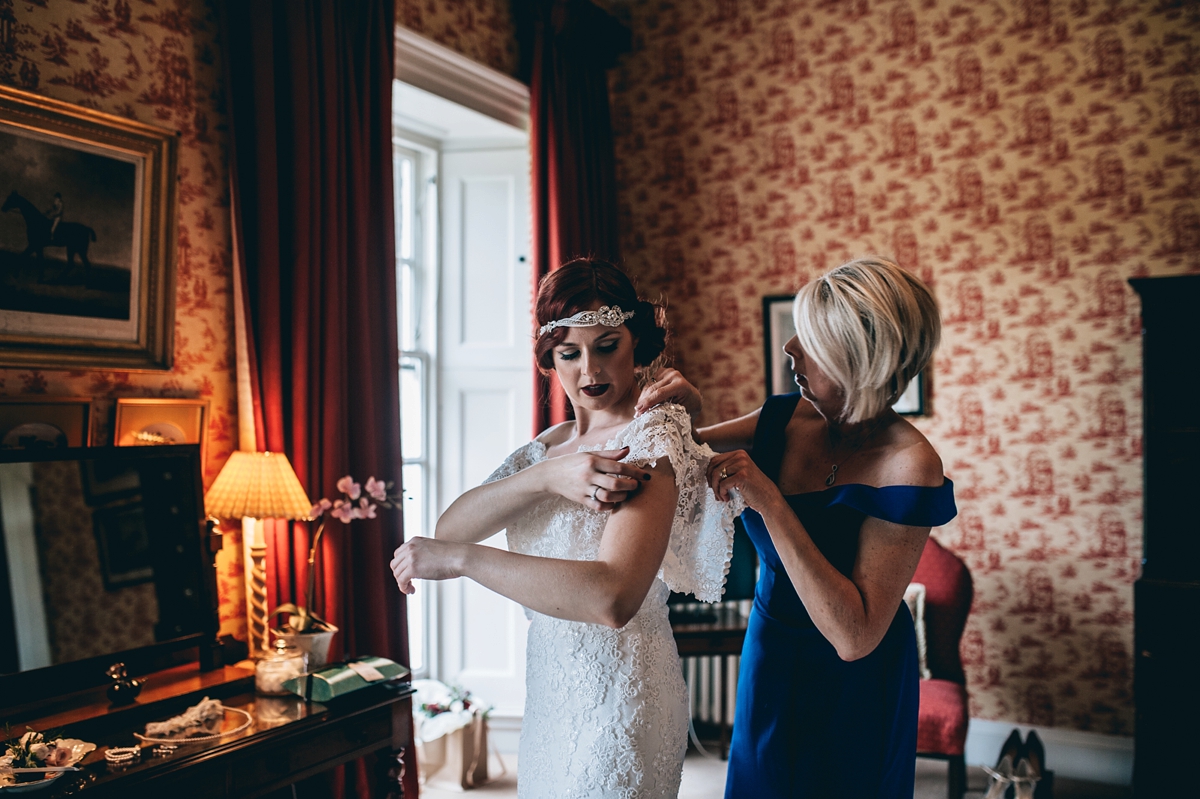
(942, 722)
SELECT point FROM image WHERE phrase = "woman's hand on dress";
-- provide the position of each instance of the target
(730, 470)
(596, 480)
(669, 386)
(421, 558)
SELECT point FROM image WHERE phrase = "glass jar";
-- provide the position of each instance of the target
(278, 665)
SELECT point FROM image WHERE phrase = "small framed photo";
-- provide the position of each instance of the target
(123, 544)
(912, 401)
(45, 422)
(147, 421)
(778, 327)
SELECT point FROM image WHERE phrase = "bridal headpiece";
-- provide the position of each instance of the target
(608, 315)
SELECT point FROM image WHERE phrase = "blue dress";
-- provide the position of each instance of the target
(809, 724)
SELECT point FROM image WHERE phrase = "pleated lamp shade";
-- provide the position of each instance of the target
(257, 485)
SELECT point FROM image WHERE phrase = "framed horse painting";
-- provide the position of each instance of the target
(87, 237)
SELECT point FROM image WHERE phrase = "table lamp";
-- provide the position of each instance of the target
(254, 486)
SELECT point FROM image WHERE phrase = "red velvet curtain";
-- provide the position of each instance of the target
(310, 88)
(574, 43)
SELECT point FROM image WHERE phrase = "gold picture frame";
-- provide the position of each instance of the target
(36, 422)
(87, 238)
(146, 421)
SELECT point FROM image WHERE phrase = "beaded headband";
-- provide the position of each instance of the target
(608, 315)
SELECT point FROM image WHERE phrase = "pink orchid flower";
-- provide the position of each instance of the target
(320, 508)
(377, 489)
(343, 511)
(350, 488)
(365, 509)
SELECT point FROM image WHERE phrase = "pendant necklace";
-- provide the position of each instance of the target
(833, 470)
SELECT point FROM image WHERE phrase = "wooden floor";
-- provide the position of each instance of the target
(705, 779)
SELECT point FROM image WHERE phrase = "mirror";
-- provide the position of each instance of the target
(100, 553)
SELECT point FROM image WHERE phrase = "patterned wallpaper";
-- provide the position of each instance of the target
(479, 29)
(156, 62)
(1024, 157)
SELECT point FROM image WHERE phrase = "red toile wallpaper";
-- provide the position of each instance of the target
(156, 62)
(481, 30)
(1025, 157)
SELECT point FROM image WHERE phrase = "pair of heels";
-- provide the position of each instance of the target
(1019, 767)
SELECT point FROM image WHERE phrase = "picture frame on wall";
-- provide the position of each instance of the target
(147, 421)
(37, 422)
(912, 401)
(778, 327)
(87, 237)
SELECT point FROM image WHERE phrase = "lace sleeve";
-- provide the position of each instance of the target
(697, 557)
(523, 458)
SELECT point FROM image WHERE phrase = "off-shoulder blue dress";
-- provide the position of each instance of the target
(809, 724)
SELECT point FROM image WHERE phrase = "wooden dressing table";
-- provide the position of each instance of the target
(288, 740)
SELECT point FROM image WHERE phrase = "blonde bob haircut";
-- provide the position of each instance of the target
(871, 327)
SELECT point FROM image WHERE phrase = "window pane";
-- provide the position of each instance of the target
(414, 500)
(416, 627)
(406, 208)
(412, 408)
(406, 307)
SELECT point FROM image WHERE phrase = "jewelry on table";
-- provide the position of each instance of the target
(194, 716)
(122, 755)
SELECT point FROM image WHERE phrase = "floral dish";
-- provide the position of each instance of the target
(33, 751)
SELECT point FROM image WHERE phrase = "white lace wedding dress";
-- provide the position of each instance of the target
(606, 711)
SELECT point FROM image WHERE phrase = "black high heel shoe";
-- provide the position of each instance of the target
(1002, 774)
(1031, 758)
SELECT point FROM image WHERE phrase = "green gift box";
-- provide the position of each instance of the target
(342, 678)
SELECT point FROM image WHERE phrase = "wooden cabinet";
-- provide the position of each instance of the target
(288, 740)
(1167, 595)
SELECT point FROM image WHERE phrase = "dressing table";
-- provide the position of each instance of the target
(151, 574)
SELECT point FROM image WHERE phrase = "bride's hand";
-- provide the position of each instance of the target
(669, 386)
(729, 470)
(421, 558)
(596, 480)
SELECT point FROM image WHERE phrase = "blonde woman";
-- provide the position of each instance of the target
(841, 493)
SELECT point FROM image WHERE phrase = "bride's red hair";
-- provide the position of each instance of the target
(585, 284)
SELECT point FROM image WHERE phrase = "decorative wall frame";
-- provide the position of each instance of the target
(912, 401)
(36, 422)
(778, 327)
(142, 421)
(88, 237)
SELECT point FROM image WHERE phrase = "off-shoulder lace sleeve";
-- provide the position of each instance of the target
(701, 542)
(522, 458)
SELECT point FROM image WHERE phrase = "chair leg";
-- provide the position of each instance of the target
(956, 777)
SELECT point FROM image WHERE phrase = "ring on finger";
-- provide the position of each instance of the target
(724, 474)
(595, 490)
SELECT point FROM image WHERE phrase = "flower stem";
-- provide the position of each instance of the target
(310, 594)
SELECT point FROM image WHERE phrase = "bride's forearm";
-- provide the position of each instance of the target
(487, 509)
(577, 590)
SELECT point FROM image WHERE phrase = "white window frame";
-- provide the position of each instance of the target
(423, 349)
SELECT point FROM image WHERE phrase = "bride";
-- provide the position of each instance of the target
(605, 515)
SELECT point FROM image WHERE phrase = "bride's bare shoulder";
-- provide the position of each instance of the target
(558, 434)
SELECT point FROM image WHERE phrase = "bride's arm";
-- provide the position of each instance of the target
(487, 509)
(608, 590)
